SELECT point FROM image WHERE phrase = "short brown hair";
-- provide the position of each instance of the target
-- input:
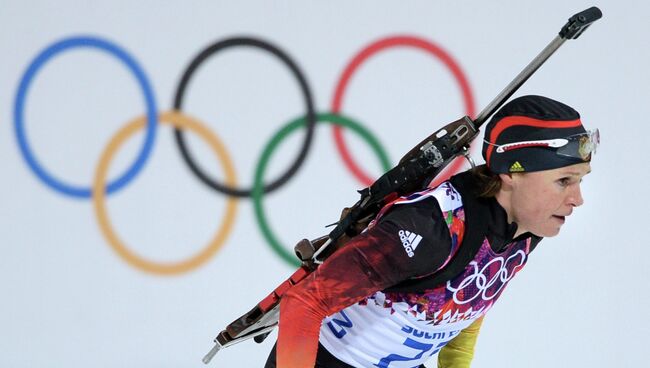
(488, 183)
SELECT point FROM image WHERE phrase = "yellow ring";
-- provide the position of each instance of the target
(177, 120)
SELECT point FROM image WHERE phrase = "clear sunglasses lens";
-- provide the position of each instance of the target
(581, 146)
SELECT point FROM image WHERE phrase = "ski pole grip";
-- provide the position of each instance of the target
(580, 22)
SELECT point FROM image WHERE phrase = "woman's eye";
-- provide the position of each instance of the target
(564, 182)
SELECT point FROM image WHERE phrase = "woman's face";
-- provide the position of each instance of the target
(541, 201)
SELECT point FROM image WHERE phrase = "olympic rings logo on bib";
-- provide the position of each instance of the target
(101, 187)
(477, 284)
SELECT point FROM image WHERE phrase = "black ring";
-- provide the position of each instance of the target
(311, 115)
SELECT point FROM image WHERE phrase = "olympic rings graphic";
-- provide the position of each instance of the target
(304, 88)
(21, 97)
(481, 285)
(266, 155)
(178, 120)
(364, 55)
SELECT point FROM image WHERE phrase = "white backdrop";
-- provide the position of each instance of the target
(69, 300)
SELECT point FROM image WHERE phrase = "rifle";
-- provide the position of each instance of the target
(413, 172)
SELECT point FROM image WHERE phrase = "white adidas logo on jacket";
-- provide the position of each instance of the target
(410, 241)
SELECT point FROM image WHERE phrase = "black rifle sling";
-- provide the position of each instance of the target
(476, 220)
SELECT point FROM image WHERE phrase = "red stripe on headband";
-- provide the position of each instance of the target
(524, 145)
(510, 121)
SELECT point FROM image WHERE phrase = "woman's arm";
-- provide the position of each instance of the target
(345, 278)
(369, 262)
(458, 353)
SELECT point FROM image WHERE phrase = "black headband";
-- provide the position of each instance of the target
(524, 135)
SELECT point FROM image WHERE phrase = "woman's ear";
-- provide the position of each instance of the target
(506, 181)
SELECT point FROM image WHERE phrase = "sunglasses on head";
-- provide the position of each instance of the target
(580, 146)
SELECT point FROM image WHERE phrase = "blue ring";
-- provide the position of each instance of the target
(152, 115)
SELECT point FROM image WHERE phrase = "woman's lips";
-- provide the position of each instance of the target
(560, 218)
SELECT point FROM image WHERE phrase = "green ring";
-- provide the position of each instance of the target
(258, 193)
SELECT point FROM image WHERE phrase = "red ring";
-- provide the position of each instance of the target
(369, 51)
